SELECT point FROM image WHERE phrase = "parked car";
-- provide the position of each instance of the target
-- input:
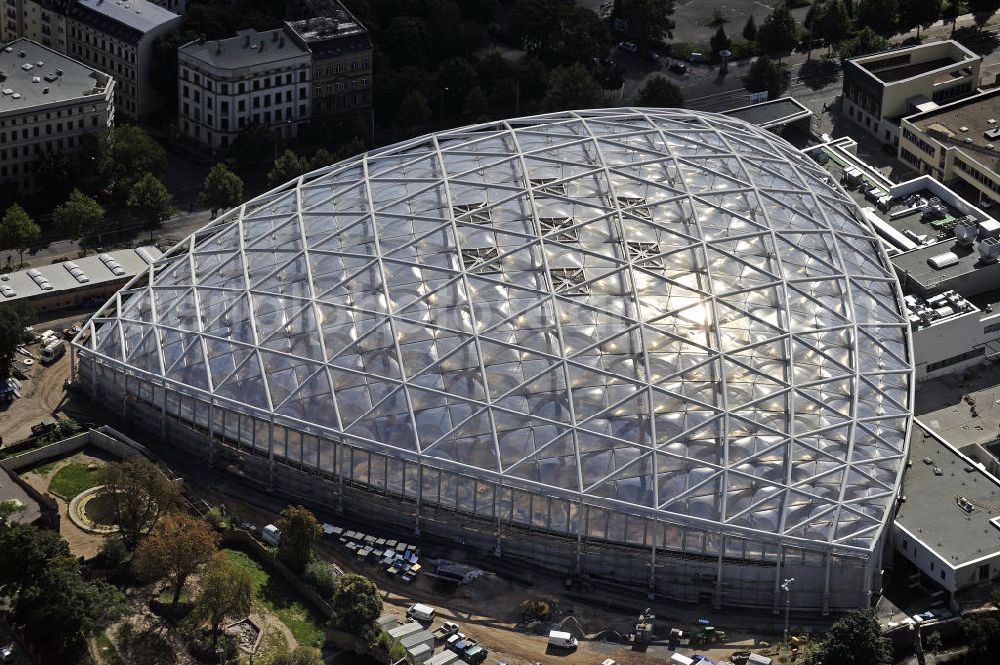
(562, 640)
(650, 54)
(678, 67)
(631, 47)
(446, 630)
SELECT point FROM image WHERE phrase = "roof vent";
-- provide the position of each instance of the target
(45, 91)
(989, 146)
(27, 66)
(112, 265)
(59, 72)
(989, 250)
(40, 64)
(991, 121)
(963, 128)
(35, 79)
(16, 95)
(968, 140)
(9, 49)
(22, 54)
(38, 278)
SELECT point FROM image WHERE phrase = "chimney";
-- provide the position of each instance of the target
(246, 41)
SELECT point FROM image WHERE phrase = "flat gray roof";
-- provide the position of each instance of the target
(914, 263)
(930, 512)
(60, 278)
(19, 62)
(246, 49)
(772, 113)
(140, 15)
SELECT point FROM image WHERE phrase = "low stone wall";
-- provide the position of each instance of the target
(105, 439)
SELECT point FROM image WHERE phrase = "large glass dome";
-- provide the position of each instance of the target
(661, 313)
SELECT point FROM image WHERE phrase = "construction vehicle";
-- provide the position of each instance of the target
(643, 633)
(707, 635)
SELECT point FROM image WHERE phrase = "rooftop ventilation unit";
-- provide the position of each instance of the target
(112, 265)
(7, 292)
(41, 280)
(27, 66)
(144, 254)
(77, 272)
(968, 140)
(966, 231)
(963, 128)
(989, 228)
(16, 95)
(942, 261)
(992, 134)
(989, 250)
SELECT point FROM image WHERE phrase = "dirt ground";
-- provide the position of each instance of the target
(80, 542)
(41, 396)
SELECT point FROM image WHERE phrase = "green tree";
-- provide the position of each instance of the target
(832, 23)
(78, 215)
(299, 532)
(571, 88)
(356, 604)
(918, 14)
(982, 11)
(778, 33)
(950, 12)
(720, 41)
(253, 146)
(856, 639)
(477, 104)
(175, 549)
(933, 642)
(56, 172)
(879, 15)
(18, 230)
(414, 110)
(226, 592)
(865, 41)
(125, 154)
(221, 189)
(766, 74)
(659, 92)
(139, 495)
(301, 656)
(286, 167)
(648, 20)
(150, 198)
(58, 608)
(750, 29)
(14, 317)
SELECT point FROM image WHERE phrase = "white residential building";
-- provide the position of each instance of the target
(117, 36)
(48, 104)
(881, 88)
(252, 78)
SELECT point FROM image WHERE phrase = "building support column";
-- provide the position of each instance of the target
(420, 498)
(270, 451)
(776, 609)
(651, 594)
(825, 611)
(717, 591)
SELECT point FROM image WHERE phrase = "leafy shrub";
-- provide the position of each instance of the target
(323, 576)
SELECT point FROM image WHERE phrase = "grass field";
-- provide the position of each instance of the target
(44, 468)
(71, 480)
(276, 596)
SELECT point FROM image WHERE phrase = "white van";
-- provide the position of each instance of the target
(53, 352)
(558, 638)
(421, 612)
(270, 534)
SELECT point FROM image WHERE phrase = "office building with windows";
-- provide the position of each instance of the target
(881, 88)
(118, 37)
(49, 103)
(253, 78)
(341, 57)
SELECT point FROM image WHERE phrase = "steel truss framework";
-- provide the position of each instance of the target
(666, 313)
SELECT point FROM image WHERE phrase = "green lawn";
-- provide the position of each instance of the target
(44, 468)
(71, 480)
(167, 596)
(279, 598)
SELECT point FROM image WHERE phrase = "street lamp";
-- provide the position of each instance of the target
(786, 587)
